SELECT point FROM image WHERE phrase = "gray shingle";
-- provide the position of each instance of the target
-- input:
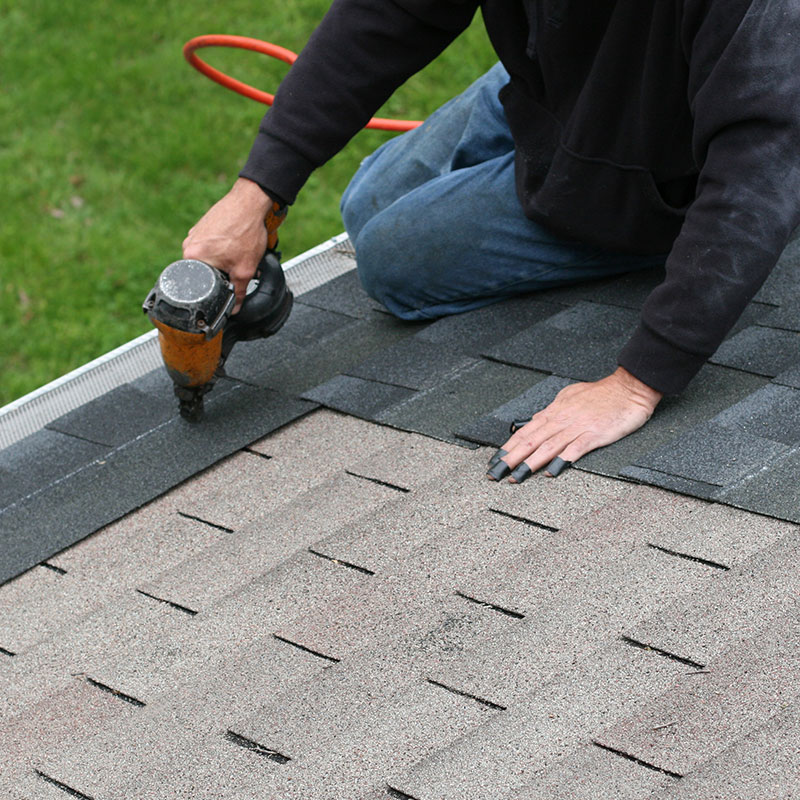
(589, 773)
(307, 327)
(628, 289)
(362, 398)
(43, 457)
(580, 343)
(135, 473)
(714, 389)
(117, 416)
(458, 400)
(790, 377)
(713, 454)
(762, 351)
(786, 316)
(342, 295)
(771, 413)
(706, 713)
(784, 280)
(304, 368)
(413, 363)
(673, 483)
(493, 429)
(474, 331)
(773, 490)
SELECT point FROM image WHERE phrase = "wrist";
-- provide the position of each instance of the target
(252, 195)
(636, 388)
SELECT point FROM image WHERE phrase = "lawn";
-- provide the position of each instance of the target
(112, 147)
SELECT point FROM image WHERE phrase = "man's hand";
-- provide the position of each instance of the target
(583, 417)
(232, 236)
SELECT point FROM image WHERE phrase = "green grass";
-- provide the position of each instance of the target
(112, 146)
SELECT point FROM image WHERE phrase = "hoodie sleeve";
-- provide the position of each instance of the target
(744, 91)
(360, 53)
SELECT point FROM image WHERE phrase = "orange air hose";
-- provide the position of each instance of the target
(273, 50)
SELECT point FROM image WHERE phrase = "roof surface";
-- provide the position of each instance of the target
(291, 601)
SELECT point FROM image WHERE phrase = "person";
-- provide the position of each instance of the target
(613, 135)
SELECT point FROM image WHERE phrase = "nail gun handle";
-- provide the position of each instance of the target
(275, 216)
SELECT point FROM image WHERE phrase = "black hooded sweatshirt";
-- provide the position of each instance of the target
(647, 126)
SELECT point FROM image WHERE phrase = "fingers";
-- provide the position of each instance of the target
(583, 417)
(231, 235)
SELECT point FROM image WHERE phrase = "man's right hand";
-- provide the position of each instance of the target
(232, 236)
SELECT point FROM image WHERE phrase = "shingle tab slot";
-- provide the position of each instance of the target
(341, 563)
(482, 700)
(8, 653)
(53, 567)
(398, 795)
(63, 786)
(256, 453)
(665, 653)
(697, 559)
(306, 649)
(527, 521)
(190, 611)
(500, 609)
(378, 481)
(638, 761)
(120, 695)
(255, 747)
(205, 522)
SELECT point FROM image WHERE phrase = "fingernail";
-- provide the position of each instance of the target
(557, 466)
(499, 471)
(521, 473)
(518, 423)
(497, 456)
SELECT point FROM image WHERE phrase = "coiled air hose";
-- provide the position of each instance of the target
(273, 50)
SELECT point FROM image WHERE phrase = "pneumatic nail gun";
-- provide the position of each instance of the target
(191, 306)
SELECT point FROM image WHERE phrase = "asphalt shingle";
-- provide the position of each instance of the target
(580, 343)
(762, 351)
(342, 295)
(589, 773)
(362, 597)
(538, 731)
(773, 490)
(39, 460)
(478, 330)
(362, 398)
(414, 364)
(710, 710)
(458, 400)
(762, 764)
(713, 390)
(133, 474)
(712, 453)
(733, 609)
(117, 417)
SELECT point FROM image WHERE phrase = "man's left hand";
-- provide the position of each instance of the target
(583, 417)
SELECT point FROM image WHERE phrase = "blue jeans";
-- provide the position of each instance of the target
(436, 224)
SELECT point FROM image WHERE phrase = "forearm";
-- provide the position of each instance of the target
(360, 53)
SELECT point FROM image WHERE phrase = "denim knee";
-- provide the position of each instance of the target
(386, 267)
